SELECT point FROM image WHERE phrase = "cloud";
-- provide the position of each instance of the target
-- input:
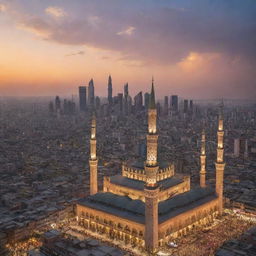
(166, 31)
(128, 31)
(55, 12)
(207, 44)
(2, 8)
(75, 53)
(36, 26)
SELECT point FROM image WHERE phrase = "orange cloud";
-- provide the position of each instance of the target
(194, 61)
(2, 8)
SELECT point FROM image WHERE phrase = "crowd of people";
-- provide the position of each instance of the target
(22, 248)
(205, 241)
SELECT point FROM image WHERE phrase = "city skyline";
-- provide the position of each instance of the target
(127, 127)
(206, 49)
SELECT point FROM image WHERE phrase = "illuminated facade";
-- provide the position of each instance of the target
(220, 165)
(93, 161)
(148, 204)
(202, 161)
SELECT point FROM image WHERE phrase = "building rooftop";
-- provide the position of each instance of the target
(184, 202)
(134, 210)
(139, 185)
(51, 234)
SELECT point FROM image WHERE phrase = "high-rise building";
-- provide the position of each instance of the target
(69, 107)
(146, 100)
(166, 105)
(174, 102)
(191, 106)
(185, 107)
(120, 103)
(97, 102)
(51, 107)
(91, 94)
(138, 102)
(126, 94)
(65, 106)
(57, 105)
(82, 98)
(126, 90)
(129, 105)
(110, 100)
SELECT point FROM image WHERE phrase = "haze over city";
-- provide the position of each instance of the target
(127, 128)
(198, 49)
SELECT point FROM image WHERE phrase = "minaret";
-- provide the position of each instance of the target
(151, 188)
(151, 167)
(219, 164)
(203, 161)
(93, 159)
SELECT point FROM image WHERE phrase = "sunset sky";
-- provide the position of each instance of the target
(193, 48)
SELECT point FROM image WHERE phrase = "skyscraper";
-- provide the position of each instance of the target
(120, 103)
(57, 104)
(97, 102)
(82, 98)
(126, 90)
(185, 107)
(110, 100)
(138, 102)
(126, 94)
(65, 106)
(191, 106)
(174, 103)
(146, 100)
(166, 105)
(91, 94)
(129, 105)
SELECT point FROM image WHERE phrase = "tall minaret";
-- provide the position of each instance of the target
(151, 167)
(151, 188)
(203, 161)
(219, 164)
(93, 159)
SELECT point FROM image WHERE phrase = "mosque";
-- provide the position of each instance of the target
(148, 204)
